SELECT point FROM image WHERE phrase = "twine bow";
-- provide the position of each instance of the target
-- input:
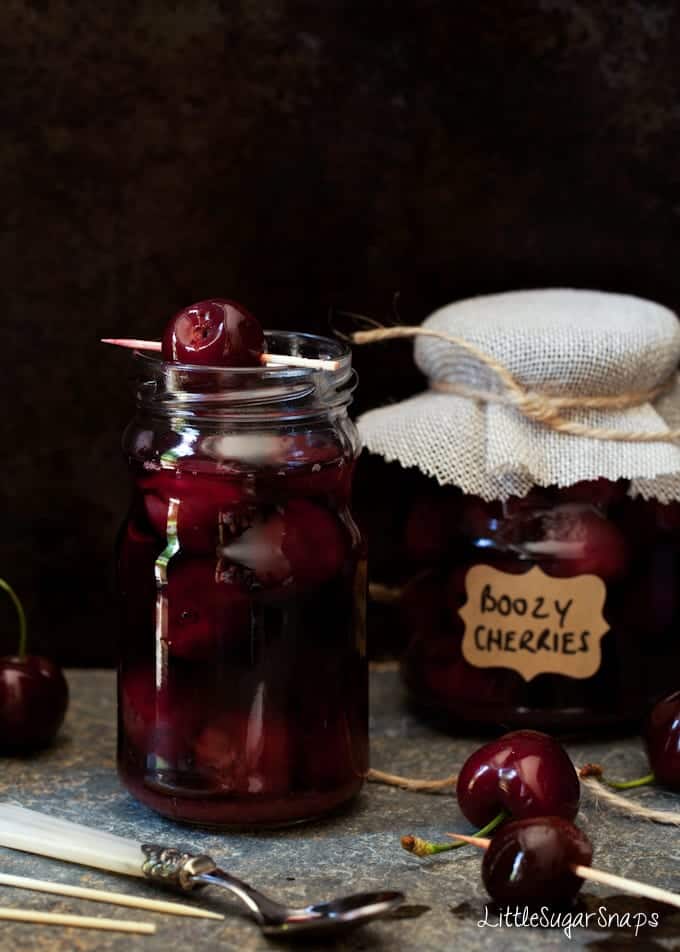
(540, 407)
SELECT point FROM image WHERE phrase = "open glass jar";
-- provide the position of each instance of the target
(243, 677)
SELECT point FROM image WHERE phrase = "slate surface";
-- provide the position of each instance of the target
(356, 851)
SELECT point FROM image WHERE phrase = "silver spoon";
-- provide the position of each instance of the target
(189, 871)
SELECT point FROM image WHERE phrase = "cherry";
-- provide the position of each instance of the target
(33, 694)
(205, 504)
(524, 774)
(206, 610)
(299, 544)
(662, 739)
(530, 861)
(216, 333)
(578, 540)
(311, 464)
(246, 752)
(159, 722)
(662, 736)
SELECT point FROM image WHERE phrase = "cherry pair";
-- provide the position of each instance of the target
(520, 775)
(526, 784)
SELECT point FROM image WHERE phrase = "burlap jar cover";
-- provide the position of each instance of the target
(544, 387)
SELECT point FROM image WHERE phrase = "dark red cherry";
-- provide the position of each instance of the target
(530, 861)
(299, 544)
(215, 333)
(33, 693)
(246, 752)
(579, 540)
(525, 773)
(160, 721)
(204, 503)
(207, 611)
(33, 702)
(662, 736)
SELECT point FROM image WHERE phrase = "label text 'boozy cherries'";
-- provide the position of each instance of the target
(533, 623)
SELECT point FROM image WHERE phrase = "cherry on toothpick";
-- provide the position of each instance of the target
(532, 861)
(544, 859)
(214, 333)
(33, 694)
(218, 333)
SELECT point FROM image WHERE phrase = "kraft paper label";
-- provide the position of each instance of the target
(533, 623)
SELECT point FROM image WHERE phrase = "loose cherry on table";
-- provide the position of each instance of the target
(531, 861)
(216, 333)
(662, 739)
(33, 694)
(520, 775)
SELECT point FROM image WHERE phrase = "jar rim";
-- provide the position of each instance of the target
(170, 387)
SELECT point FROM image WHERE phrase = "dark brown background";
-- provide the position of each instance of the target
(292, 155)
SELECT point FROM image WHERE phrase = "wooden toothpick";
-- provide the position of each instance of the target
(269, 360)
(632, 886)
(78, 922)
(101, 895)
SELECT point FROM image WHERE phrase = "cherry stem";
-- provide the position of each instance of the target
(414, 844)
(5, 586)
(630, 784)
(595, 770)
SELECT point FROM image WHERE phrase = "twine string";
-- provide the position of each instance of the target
(540, 407)
(594, 787)
(627, 805)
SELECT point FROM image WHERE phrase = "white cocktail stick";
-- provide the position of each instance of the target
(78, 922)
(102, 895)
(633, 886)
(269, 360)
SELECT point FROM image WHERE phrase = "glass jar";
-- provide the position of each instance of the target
(243, 676)
(557, 611)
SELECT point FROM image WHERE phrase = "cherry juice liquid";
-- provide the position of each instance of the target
(243, 682)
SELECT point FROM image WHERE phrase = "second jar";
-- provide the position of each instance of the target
(243, 679)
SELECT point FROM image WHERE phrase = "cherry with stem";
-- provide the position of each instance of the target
(33, 693)
(547, 859)
(662, 739)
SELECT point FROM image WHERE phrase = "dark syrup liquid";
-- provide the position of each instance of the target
(243, 678)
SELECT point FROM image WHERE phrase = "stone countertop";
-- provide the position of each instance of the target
(358, 850)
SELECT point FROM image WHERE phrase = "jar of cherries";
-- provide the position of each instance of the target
(558, 610)
(243, 677)
(538, 560)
